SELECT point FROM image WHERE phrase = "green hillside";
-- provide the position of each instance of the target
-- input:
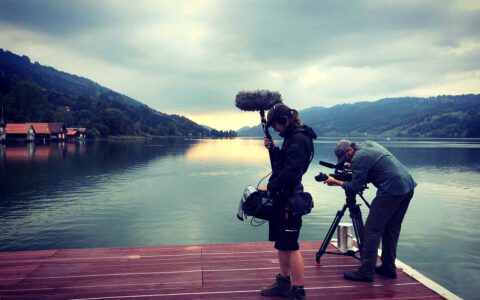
(439, 117)
(31, 92)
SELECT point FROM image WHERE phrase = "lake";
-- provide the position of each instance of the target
(174, 191)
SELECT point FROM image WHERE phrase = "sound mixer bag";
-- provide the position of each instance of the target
(300, 203)
(257, 204)
(260, 204)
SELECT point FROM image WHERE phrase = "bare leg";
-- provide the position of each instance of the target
(297, 268)
(284, 260)
(291, 264)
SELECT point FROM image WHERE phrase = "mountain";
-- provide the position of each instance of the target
(31, 92)
(244, 128)
(440, 117)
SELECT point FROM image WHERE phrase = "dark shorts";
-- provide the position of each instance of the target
(285, 232)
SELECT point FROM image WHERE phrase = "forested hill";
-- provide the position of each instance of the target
(31, 92)
(440, 117)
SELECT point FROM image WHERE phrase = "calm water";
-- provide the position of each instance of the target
(172, 191)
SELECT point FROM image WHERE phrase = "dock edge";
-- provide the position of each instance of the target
(429, 283)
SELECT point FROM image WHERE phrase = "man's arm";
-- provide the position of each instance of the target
(332, 181)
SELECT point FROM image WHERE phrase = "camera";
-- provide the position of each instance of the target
(341, 172)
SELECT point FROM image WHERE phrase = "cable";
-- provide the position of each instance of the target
(255, 223)
(263, 178)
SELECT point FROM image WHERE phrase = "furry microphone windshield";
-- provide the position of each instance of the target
(259, 100)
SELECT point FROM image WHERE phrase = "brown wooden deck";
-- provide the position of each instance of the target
(229, 271)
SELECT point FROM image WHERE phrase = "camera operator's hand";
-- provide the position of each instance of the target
(269, 143)
(262, 188)
(332, 181)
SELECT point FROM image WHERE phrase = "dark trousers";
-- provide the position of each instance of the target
(384, 223)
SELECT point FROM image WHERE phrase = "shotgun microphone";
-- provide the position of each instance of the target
(259, 100)
(329, 165)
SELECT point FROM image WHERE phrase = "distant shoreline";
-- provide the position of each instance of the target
(379, 138)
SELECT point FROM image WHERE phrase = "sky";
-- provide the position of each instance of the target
(192, 57)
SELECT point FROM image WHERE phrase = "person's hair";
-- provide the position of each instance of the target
(295, 118)
(354, 146)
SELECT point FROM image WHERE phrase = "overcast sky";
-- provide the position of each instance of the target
(192, 57)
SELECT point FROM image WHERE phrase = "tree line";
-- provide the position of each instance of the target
(30, 92)
(443, 116)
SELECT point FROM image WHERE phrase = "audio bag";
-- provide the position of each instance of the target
(257, 204)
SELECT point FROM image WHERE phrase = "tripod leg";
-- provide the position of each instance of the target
(356, 216)
(330, 233)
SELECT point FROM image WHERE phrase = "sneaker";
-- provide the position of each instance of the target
(356, 276)
(281, 287)
(386, 272)
(297, 293)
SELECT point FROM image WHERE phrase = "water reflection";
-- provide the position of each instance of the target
(18, 153)
(47, 170)
(24, 153)
(173, 191)
(233, 151)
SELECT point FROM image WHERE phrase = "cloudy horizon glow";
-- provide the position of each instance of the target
(192, 57)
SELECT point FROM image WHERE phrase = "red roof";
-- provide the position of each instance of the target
(13, 128)
(41, 128)
(81, 130)
(56, 127)
(72, 132)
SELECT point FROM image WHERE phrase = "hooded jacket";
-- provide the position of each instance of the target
(373, 163)
(292, 160)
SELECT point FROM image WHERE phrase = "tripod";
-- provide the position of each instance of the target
(356, 216)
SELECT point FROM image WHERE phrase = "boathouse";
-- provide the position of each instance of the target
(75, 134)
(42, 132)
(58, 131)
(47, 132)
(19, 133)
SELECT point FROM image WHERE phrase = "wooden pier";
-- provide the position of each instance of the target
(225, 271)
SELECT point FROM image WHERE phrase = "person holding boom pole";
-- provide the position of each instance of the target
(289, 163)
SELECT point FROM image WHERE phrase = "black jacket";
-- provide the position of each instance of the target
(292, 160)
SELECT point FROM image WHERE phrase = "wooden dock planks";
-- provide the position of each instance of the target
(226, 271)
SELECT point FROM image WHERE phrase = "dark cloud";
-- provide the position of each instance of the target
(184, 55)
(55, 17)
(298, 31)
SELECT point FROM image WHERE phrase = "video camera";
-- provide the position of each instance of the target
(342, 172)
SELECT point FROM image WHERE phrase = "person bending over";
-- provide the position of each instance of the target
(370, 162)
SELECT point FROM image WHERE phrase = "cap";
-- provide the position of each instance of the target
(341, 150)
(278, 110)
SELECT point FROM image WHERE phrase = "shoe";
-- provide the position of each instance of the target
(386, 272)
(297, 293)
(355, 276)
(281, 287)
